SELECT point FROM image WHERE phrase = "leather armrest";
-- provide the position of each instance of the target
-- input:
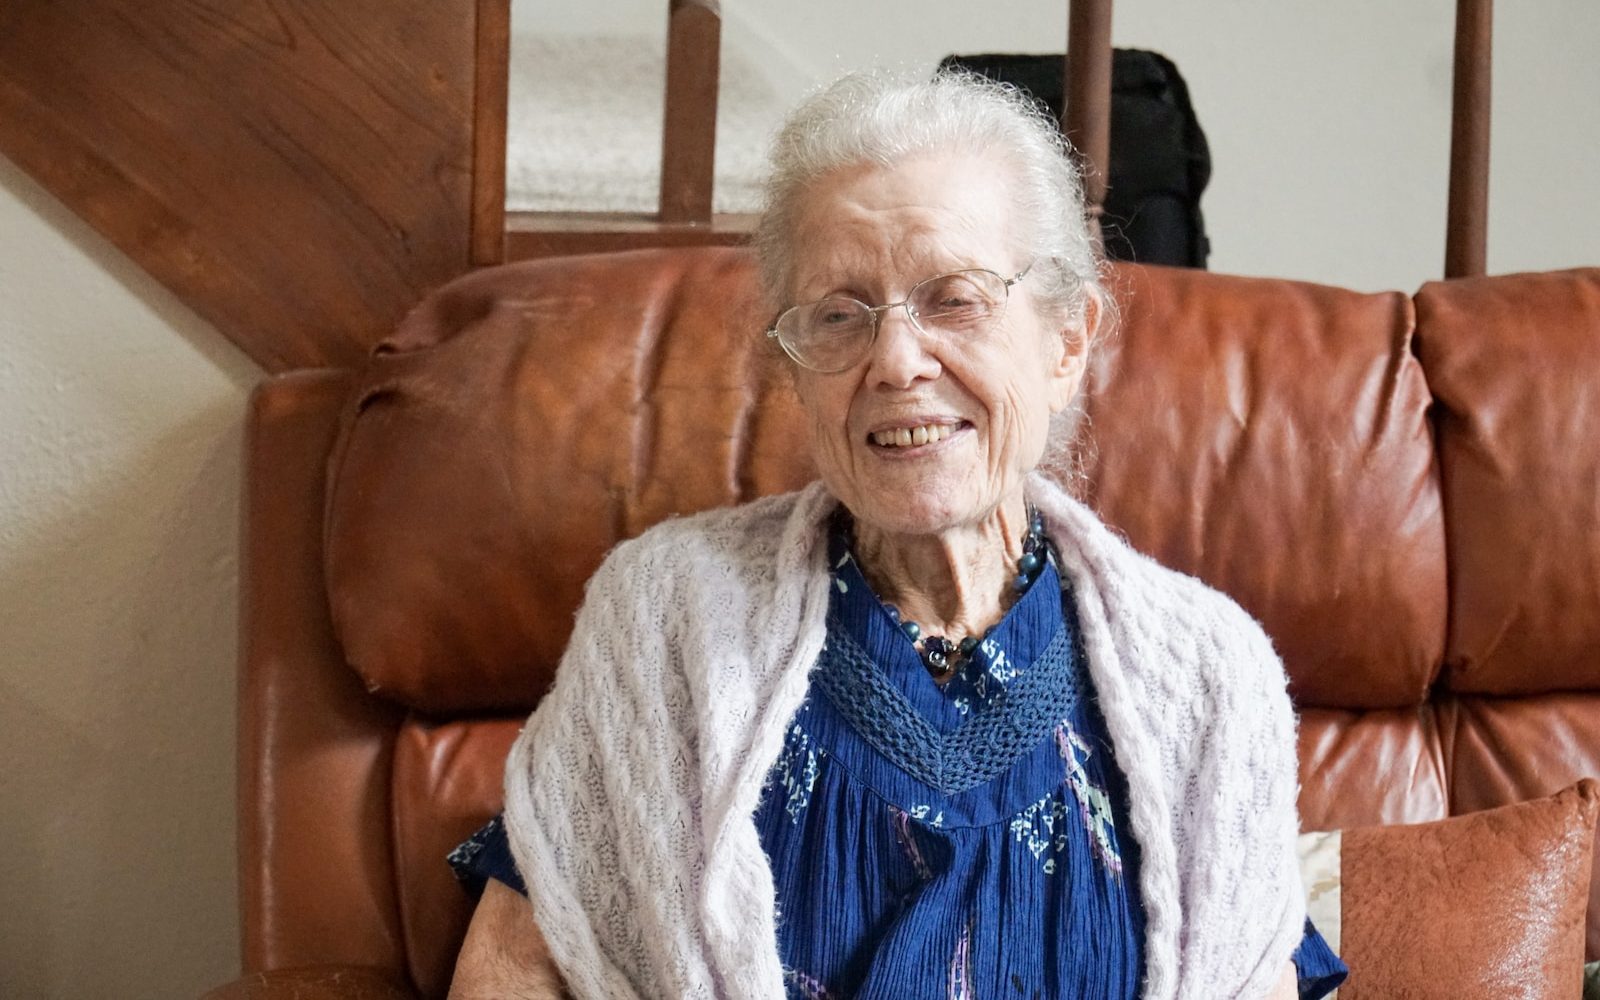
(319, 982)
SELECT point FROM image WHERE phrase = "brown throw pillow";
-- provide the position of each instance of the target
(1490, 904)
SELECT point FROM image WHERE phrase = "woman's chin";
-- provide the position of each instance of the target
(911, 513)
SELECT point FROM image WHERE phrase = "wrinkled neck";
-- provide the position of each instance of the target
(954, 583)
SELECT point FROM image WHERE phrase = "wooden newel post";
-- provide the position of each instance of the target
(1467, 228)
(1086, 116)
(689, 127)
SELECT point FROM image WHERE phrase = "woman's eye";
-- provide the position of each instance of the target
(949, 295)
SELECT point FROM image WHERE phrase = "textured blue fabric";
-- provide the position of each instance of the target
(963, 841)
(1318, 969)
(486, 855)
(906, 868)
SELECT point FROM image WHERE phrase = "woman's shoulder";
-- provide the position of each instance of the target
(1185, 631)
(1204, 672)
(1190, 608)
(1124, 571)
(725, 544)
(1230, 655)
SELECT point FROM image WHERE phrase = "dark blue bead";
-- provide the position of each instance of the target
(911, 629)
(1029, 563)
(1021, 582)
(894, 613)
(968, 645)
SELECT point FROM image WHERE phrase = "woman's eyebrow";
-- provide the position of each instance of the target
(844, 280)
(834, 281)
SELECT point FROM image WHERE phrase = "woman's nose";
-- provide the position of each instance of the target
(901, 353)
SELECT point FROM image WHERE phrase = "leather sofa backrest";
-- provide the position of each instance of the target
(1269, 437)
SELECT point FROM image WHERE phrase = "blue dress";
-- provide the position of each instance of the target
(963, 841)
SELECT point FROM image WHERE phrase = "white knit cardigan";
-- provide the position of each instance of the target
(630, 793)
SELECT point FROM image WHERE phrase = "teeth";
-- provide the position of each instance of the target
(910, 437)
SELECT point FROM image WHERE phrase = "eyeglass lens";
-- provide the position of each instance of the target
(832, 334)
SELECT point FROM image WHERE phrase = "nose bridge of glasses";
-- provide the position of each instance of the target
(881, 313)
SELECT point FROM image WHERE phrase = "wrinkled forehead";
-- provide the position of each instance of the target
(875, 231)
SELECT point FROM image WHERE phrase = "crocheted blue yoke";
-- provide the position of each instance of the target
(985, 745)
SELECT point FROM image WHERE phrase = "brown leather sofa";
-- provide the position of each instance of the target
(1403, 489)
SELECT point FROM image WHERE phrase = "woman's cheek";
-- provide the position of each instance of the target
(1013, 425)
(830, 450)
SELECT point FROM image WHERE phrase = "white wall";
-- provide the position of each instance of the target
(1329, 123)
(120, 417)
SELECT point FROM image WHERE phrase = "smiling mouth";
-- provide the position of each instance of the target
(915, 436)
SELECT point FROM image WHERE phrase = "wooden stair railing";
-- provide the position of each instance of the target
(688, 153)
(688, 142)
(689, 135)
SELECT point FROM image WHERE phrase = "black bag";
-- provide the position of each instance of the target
(1159, 159)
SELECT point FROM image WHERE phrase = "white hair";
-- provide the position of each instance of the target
(883, 119)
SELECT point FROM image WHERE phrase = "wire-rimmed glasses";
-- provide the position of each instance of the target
(832, 334)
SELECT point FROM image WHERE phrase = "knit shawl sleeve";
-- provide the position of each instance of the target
(589, 773)
(1197, 705)
(1236, 814)
(629, 791)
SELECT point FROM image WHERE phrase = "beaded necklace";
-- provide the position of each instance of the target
(941, 656)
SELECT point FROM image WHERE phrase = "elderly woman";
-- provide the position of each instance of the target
(926, 728)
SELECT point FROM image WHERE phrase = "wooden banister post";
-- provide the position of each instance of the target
(1467, 227)
(1086, 117)
(491, 81)
(689, 127)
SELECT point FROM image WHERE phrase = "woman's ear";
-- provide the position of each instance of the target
(1069, 354)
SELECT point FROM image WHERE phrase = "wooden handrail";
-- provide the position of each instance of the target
(1467, 224)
